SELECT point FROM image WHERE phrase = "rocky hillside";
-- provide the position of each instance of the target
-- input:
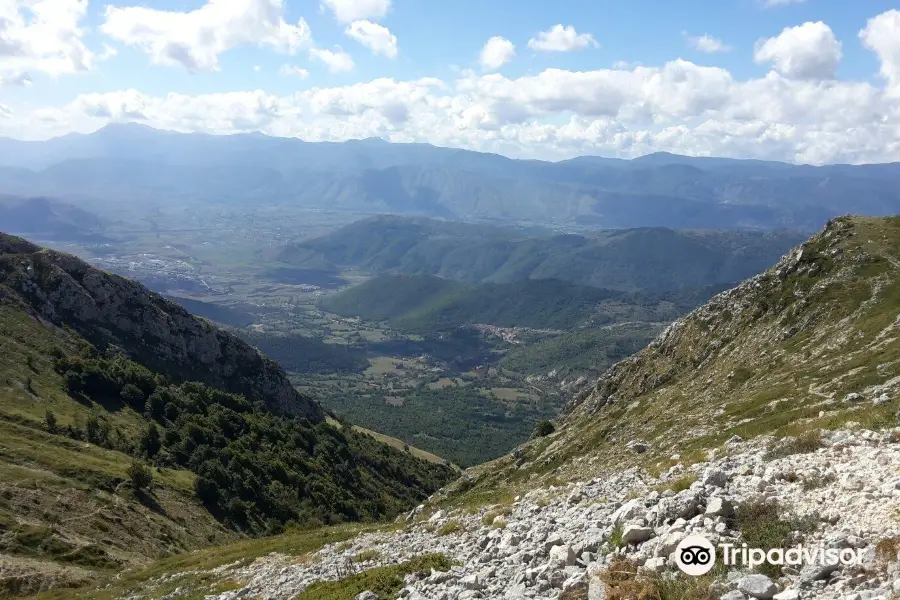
(813, 342)
(615, 537)
(109, 310)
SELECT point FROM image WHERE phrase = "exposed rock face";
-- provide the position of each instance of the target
(110, 310)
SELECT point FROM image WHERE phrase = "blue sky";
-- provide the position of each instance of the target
(88, 63)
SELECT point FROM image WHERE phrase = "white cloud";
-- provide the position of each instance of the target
(41, 36)
(346, 11)
(771, 3)
(678, 107)
(195, 39)
(292, 71)
(795, 112)
(882, 36)
(376, 37)
(337, 61)
(256, 68)
(561, 39)
(808, 51)
(497, 52)
(707, 43)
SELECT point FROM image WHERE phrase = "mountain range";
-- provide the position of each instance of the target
(142, 168)
(643, 259)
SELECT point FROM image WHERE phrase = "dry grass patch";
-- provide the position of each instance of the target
(623, 581)
(449, 527)
(366, 555)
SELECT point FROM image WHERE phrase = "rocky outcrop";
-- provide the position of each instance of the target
(778, 304)
(554, 542)
(112, 311)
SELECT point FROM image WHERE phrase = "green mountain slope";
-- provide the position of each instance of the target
(76, 415)
(811, 343)
(429, 305)
(585, 352)
(629, 260)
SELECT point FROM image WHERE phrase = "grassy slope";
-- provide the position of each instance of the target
(777, 355)
(426, 304)
(397, 443)
(61, 499)
(191, 570)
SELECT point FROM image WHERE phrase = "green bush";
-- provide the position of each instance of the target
(140, 477)
(543, 429)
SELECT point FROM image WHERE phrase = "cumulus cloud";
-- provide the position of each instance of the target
(882, 36)
(707, 43)
(41, 36)
(195, 39)
(337, 60)
(677, 107)
(794, 112)
(497, 52)
(346, 11)
(562, 39)
(291, 71)
(808, 51)
(376, 37)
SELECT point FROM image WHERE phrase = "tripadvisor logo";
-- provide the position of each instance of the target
(696, 556)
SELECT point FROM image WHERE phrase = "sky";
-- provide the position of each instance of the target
(807, 81)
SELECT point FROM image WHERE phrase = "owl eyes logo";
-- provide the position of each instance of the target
(695, 555)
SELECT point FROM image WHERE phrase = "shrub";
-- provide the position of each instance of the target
(150, 441)
(543, 429)
(887, 551)
(50, 423)
(615, 536)
(132, 396)
(140, 476)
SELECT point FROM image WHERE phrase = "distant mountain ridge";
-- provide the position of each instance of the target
(628, 260)
(46, 216)
(160, 168)
(428, 305)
